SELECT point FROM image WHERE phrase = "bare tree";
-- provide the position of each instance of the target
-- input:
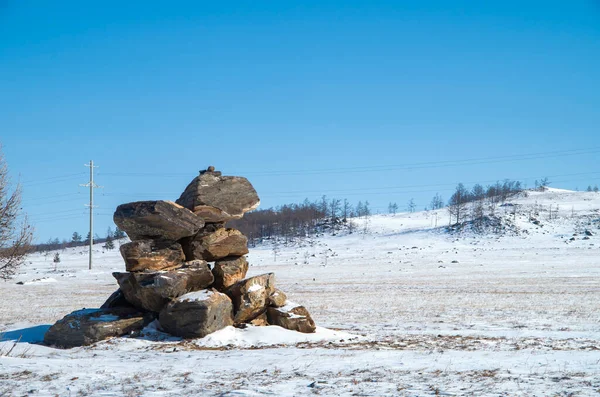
(15, 232)
(392, 208)
(334, 208)
(367, 210)
(477, 214)
(437, 202)
(411, 205)
(477, 192)
(346, 208)
(458, 202)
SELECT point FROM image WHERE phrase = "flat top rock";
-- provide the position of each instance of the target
(87, 326)
(157, 220)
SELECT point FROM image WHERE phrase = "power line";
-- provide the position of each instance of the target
(49, 197)
(54, 202)
(68, 217)
(62, 217)
(387, 189)
(408, 166)
(54, 212)
(52, 177)
(437, 164)
(52, 180)
(92, 186)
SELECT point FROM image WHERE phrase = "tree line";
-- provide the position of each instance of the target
(306, 219)
(480, 198)
(77, 240)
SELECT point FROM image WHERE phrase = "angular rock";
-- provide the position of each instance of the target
(260, 321)
(157, 220)
(250, 297)
(116, 299)
(277, 298)
(197, 314)
(229, 271)
(291, 316)
(218, 198)
(143, 255)
(215, 245)
(87, 326)
(153, 290)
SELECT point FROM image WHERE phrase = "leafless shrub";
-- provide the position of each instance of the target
(15, 232)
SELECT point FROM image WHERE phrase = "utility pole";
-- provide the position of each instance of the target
(92, 186)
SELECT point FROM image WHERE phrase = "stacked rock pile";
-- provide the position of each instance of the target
(168, 276)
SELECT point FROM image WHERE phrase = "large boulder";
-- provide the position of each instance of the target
(229, 271)
(197, 314)
(144, 255)
(87, 326)
(153, 290)
(218, 198)
(215, 245)
(250, 297)
(157, 220)
(291, 316)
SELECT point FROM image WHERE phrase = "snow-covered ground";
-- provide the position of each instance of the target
(404, 308)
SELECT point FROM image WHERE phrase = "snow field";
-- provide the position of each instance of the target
(404, 309)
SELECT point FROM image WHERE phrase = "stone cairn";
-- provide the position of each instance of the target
(168, 275)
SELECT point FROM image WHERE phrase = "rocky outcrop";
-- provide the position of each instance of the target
(229, 271)
(250, 297)
(197, 314)
(215, 245)
(157, 220)
(218, 198)
(152, 255)
(153, 290)
(291, 316)
(87, 326)
(190, 299)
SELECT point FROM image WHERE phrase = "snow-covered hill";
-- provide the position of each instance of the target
(407, 306)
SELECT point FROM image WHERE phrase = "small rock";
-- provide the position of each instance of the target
(292, 317)
(250, 296)
(229, 271)
(260, 321)
(277, 298)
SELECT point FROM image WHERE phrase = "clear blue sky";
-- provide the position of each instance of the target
(343, 98)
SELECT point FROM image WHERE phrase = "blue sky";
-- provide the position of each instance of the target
(366, 100)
